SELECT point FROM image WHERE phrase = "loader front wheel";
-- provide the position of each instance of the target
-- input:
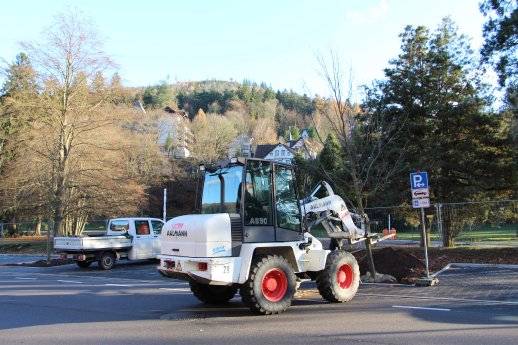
(213, 294)
(339, 280)
(271, 285)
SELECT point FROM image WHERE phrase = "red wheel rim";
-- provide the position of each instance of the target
(345, 276)
(274, 285)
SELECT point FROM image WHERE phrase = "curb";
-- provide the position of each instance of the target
(454, 264)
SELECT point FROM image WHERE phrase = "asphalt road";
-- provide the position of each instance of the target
(133, 304)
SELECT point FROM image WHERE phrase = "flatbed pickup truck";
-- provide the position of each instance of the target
(125, 238)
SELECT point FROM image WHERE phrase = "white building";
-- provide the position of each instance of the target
(286, 152)
(241, 147)
(278, 152)
(174, 133)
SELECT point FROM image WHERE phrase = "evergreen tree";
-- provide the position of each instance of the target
(331, 156)
(17, 99)
(292, 133)
(501, 39)
(432, 90)
(157, 96)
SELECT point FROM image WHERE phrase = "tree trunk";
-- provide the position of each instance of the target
(370, 258)
(428, 228)
(447, 233)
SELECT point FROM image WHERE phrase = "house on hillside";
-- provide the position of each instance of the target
(276, 152)
(286, 152)
(174, 133)
(308, 149)
(241, 147)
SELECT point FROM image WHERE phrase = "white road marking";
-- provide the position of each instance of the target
(22, 278)
(121, 285)
(420, 308)
(69, 281)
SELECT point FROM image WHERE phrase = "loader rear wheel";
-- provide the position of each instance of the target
(213, 294)
(339, 280)
(271, 285)
(107, 261)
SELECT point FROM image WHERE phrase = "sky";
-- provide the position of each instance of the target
(272, 41)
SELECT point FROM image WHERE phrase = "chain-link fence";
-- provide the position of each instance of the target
(473, 222)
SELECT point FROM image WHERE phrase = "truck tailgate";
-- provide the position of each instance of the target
(91, 243)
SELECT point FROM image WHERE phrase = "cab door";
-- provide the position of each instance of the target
(287, 212)
(156, 227)
(143, 241)
(257, 208)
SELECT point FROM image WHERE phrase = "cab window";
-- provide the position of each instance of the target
(119, 225)
(211, 197)
(258, 194)
(286, 204)
(142, 227)
(157, 226)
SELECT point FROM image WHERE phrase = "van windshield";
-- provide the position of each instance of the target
(211, 197)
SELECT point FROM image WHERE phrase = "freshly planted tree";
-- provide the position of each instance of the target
(364, 138)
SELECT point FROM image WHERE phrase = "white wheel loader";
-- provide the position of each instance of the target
(253, 236)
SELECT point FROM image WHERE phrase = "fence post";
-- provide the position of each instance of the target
(438, 212)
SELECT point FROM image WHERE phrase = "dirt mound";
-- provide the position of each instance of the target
(403, 266)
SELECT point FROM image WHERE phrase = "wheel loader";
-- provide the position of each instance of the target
(252, 235)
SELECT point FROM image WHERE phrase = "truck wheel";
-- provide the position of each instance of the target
(270, 286)
(213, 294)
(107, 261)
(339, 280)
(83, 264)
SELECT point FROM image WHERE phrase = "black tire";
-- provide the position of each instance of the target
(107, 261)
(339, 280)
(271, 285)
(213, 294)
(83, 264)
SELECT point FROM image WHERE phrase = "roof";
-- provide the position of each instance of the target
(262, 151)
(290, 143)
(170, 110)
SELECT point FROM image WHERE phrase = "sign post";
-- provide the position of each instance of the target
(421, 199)
(165, 204)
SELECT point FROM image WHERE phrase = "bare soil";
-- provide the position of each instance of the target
(407, 264)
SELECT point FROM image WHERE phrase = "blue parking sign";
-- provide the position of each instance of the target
(419, 180)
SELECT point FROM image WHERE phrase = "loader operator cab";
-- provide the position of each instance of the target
(269, 211)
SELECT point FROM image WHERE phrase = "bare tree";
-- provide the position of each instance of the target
(364, 137)
(212, 135)
(264, 132)
(75, 136)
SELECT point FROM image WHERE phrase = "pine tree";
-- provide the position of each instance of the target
(433, 91)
